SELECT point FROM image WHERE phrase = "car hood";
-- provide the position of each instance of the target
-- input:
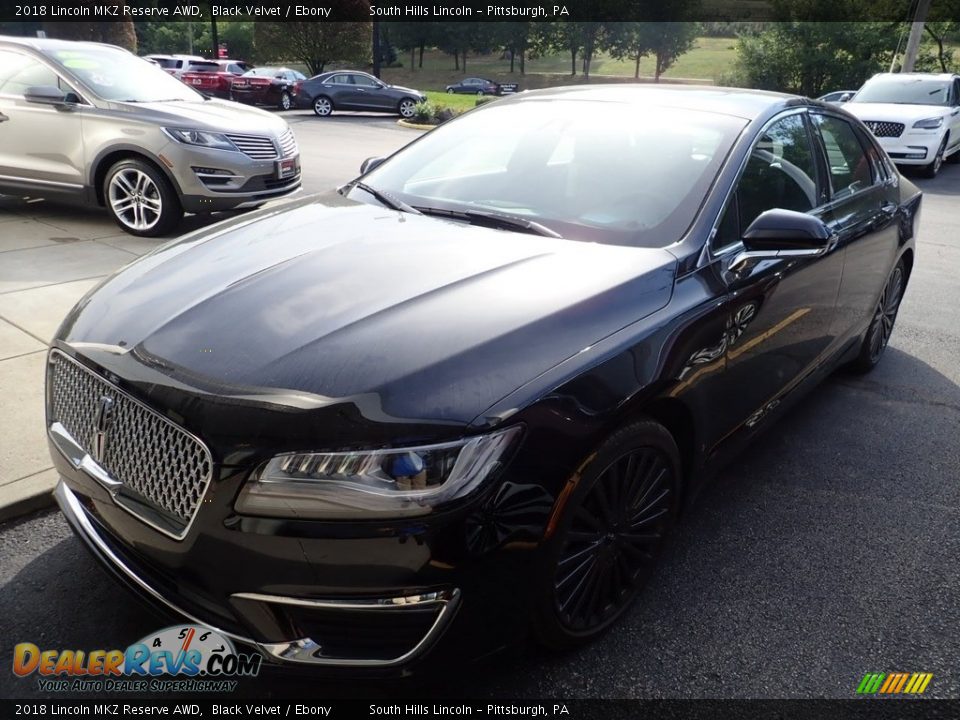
(895, 112)
(217, 115)
(400, 88)
(434, 319)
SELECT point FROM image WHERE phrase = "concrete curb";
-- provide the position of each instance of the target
(24, 501)
(414, 126)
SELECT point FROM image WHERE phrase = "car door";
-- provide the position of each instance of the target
(340, 89)
(781, 309)
(371, 95)
(954, 118)
(42, 145)
(864, 200)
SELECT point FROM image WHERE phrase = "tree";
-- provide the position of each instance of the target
(115, 32)
(667, 41)
(940, 31)
(580, 39)
(412, 36)
(810, 58)
(315, 44)
(628, 40)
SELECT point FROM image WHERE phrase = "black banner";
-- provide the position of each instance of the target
(573, 709)
(446, 10)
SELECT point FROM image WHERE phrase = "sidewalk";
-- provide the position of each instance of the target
(50, 255)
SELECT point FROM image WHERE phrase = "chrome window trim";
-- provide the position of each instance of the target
(709, 254)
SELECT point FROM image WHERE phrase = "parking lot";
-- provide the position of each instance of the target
(827, 551)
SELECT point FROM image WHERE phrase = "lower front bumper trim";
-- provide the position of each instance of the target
(302, 651)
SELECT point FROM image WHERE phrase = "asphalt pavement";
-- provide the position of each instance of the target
(826, 551)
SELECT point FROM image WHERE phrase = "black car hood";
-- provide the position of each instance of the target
(437, 320)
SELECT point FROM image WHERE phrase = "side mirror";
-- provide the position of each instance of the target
(783, 234)
(786, 230)
(845, 97)
(369, 164)
(45, 95)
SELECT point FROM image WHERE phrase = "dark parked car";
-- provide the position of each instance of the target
(352, 90)
(275, 86)
(482, 86)
(471, 395)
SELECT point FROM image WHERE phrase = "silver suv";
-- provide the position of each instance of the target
(94, 123)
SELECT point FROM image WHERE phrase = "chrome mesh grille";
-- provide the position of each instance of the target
(145, 452)
(288, 144)
(256, 146)
(884, 129)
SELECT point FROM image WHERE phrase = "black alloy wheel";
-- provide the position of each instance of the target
(611, 535)
(286, 102)
(881, 326)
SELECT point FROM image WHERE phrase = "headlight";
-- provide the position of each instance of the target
(403, 482)
(929, 123)
(202, 138)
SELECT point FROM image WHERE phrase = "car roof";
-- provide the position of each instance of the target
(930, 76)
(739, 102)
(45, 45)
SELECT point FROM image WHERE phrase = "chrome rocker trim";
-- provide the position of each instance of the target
(304, 651)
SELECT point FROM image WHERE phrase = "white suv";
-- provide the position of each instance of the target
(915, 116)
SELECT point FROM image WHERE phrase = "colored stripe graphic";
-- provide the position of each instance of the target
(894, 683)
(871, 683)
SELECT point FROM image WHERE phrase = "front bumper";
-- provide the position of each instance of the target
(913, 147)
(210, 180)
(441, 605)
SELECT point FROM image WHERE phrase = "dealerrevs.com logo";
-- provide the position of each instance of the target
(181, 658)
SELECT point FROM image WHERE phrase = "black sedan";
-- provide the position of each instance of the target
(469, 395)
(273, 86)
(352, 90)
(481, 86)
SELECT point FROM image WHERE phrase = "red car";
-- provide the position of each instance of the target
(274, 86)
(214, 77)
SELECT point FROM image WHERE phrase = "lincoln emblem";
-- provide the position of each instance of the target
(101, 423)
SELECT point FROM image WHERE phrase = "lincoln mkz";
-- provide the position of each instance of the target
(468, 395)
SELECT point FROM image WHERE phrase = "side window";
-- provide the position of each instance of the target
(341, 80)
(780, 173)
(26, 73)
(364, 81)
(956, 91)
(849, 167)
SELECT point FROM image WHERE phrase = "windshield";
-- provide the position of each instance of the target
(114, 74)
(617, 173)
(263, 72)
(906, 90)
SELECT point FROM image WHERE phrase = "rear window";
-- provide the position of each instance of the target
(203, 67)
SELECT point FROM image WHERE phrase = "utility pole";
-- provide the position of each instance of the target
(216, 40)
(916, 32)
(376, 48)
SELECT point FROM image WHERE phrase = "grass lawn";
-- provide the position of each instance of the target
(705, 63)
(461, 103)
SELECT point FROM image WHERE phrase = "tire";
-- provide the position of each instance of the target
(931, 169)
(323, 106)
(449, 91)
(407, 108)
(480, 93)
(953, 159)
(286, 102)
(609, 536)
(140, 198)
(881, 326)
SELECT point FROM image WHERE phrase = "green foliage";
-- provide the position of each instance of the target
(811, 58)
(315, 44)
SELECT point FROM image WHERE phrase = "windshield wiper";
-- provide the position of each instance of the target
(384, 199)
(495, 220)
